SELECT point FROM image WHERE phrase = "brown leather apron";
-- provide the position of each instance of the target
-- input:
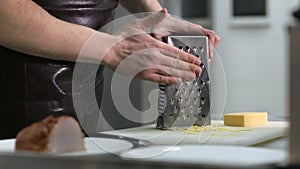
(31, 87)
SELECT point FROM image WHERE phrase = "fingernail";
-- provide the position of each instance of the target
(178, 80)
(198, 62)
(199, 74)
(198, 71)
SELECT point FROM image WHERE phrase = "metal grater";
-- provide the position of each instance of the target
(188, 103)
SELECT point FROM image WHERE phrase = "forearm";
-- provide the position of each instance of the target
(136, 6)
(27, 28)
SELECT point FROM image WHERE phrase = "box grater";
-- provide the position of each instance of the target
(188, 103)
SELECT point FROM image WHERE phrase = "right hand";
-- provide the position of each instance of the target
(172, 25)
(137, 53)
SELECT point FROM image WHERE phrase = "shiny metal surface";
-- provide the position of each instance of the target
(187, 103)
(136, 142)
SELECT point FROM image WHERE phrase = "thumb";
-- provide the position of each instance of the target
(154, 19)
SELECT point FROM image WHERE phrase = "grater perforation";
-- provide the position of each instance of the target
(187, 103)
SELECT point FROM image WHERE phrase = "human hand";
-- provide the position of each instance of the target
(171, 25)
(139, 54)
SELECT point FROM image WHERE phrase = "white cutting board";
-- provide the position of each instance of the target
(243, 136)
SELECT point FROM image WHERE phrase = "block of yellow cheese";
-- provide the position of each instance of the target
(246, 119)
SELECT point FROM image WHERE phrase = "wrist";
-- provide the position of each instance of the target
(108, 53)
(98, 47)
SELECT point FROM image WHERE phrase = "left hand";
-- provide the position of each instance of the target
(171, 25)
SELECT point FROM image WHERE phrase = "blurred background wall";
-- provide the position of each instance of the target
(255, 57)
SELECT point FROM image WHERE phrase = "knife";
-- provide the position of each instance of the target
(137, 143)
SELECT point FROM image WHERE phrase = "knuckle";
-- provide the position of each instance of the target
(156, 45)
(190, 58)
(144, 73)
(212, 33)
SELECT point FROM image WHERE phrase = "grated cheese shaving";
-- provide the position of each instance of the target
(198, 129)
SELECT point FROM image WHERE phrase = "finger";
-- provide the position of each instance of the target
(158, 36)
(210, 34)
(153, 19)
(211, 50)
(180, 65)
(213, 39)
(152, 75)
(167, 60)
(178, 54)
(170, 71)
(213, 46)
(217, 40)
(164, 10)
(163, 79)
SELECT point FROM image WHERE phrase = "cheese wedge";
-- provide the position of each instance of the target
(246, 119)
